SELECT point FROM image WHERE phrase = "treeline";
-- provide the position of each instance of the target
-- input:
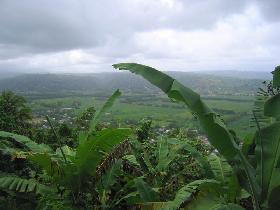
(59, 85)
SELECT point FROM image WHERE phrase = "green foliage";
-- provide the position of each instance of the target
(109, 103)
(15, 115)
(143, 131)
(259, 119)
(267, 156)
(271, 107)
(78, 166)
(199, 157)
(64, 131)
(186, 193)
(72, 169)
(209, 120)
(107, 181)
(102, 168)
(24, 185)
(83, 121)
(276, 77)
(221, 169)
(26, 142)
(147, 194)
(163, 165)
(90, 153)
(267, 139)
(220, 182)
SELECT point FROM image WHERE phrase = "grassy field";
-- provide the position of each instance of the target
(236, 111)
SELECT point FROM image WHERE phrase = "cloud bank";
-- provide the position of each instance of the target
(180, 35)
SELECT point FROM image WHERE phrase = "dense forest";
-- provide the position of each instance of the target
(61, 153)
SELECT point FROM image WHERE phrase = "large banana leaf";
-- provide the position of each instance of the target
(146, 192)
(272, 107)
(44, 160)
(91, 152)
(110, 177)
(51, 163)
(186, 193)
(268, 149)
(221, 169)
(218, 134)
(108, 104)
(276, 77)
(268, 153)
(168, 149)
(258, 118)
(164, 157)
(224, 173)
(6, 148)
(25, 141)
(107, 181)
(24, 185)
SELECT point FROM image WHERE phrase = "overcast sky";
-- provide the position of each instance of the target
(180, 35)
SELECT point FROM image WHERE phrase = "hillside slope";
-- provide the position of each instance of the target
(107, 82)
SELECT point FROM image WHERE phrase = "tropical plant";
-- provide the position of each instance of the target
(72, 172)
(23, 185)
(158, 167)
(144, 130)
(259, 173)
(15, 115)
(84, 119)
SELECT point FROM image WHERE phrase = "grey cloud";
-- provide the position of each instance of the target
(39, 26)
(270, 9)
(107, 27)
(32, 26)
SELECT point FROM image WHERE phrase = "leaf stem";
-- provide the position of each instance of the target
(57, 138)
(261, 144)
(250, 179)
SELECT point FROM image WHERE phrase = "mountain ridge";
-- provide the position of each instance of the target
(206, 84)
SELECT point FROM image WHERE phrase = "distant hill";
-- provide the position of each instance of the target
(206, 84)
(241, 74)
(8, 74)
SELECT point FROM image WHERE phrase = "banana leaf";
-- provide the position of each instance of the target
(26, 142)
(276, 77)
(90, 153)
(268, 155)
(108, 104)
(218, 134)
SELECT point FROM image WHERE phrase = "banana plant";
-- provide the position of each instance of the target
(260, 180)
(156, 173)
(106, 182)
(71, 168)
(221, 187)
(18, 184)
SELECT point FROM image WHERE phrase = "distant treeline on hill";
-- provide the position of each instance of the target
(55, 84)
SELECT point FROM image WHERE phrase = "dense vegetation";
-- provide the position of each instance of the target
(84, 163)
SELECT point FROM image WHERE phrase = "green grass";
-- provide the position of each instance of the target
(234, 110)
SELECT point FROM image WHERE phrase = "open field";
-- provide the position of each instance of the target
(130, 109)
